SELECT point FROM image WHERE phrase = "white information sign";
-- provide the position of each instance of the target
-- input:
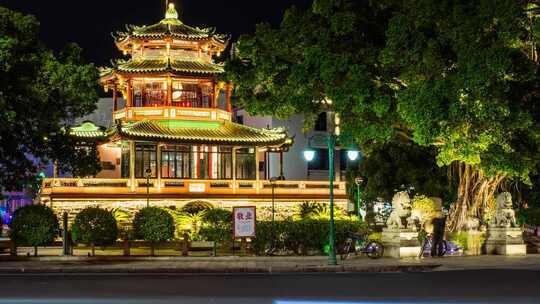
(197, 187)
(244, 222)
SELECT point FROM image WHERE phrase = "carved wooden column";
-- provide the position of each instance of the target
(234, 168)
(169, 91)
(257, 173)
(158, 166)
(129, 92)
(132, 165)
(215, 98)
(115, 99)
(281, 176)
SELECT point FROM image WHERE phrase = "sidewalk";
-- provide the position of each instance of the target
(258, 264)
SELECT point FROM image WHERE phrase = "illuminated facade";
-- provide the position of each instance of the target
(173, 140)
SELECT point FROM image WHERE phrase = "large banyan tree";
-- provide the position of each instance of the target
(460, 77)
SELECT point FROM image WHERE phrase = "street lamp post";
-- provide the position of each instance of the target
(309, 155)
(358, 181)
(148, 175)
(273, 183)
(332, 237)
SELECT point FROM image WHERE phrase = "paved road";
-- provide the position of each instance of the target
(478, 286)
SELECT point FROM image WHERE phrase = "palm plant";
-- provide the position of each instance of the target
(123, 222)
(184, 221)
(313, 210)
(307, 210)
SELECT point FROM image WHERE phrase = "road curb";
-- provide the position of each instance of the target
(222, 270)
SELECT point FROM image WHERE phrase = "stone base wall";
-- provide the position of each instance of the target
(505, 241)
(400, 243)
(283, 209)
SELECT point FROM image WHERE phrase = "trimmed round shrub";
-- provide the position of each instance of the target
(217, 226)
(96, 227)
(153, 224)
(34, 225)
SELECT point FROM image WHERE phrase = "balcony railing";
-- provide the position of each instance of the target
(171, 112)
(94, 187)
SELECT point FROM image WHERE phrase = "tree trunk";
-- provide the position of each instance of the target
(151, 248)
(35, 251)
(474, 191)
(93, 249)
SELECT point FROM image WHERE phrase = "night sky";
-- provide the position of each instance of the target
(89, 23)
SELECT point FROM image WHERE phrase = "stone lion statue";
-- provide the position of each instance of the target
(400, 217)
(504, 213)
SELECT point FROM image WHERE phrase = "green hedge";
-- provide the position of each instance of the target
(301, 237)
(288, 236)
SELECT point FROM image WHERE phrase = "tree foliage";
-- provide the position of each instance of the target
(456, 76)
(394, 165)
(40, 94)
(95, 226)
(470, 84)
(34, 225)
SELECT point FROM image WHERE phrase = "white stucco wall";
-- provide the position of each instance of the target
(294, 164)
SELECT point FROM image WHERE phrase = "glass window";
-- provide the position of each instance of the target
(206, 96)
(155, 93)
(320, 161)
(145, 158)
(240, 119)
(321, 123)
(175, 162)
(245, 163)
(198, 162)
(185, 94)
(222, 99)
(224, 163)
(138, 93)
(149, 93)
(124, 169)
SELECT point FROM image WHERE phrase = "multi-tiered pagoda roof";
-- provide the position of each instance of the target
(171, 52)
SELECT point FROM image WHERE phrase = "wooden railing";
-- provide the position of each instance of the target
(189, 187)
(171, 112)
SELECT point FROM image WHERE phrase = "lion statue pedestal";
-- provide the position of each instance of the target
(400, 238)
(504, 237)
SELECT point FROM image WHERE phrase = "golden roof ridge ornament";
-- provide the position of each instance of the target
(171, 12)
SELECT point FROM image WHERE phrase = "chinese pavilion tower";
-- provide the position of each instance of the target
(176, 123)
(172, 140)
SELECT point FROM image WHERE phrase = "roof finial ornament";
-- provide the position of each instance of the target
(171, 12)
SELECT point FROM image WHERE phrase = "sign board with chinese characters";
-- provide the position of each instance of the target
(244, 222)
(197, 187)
